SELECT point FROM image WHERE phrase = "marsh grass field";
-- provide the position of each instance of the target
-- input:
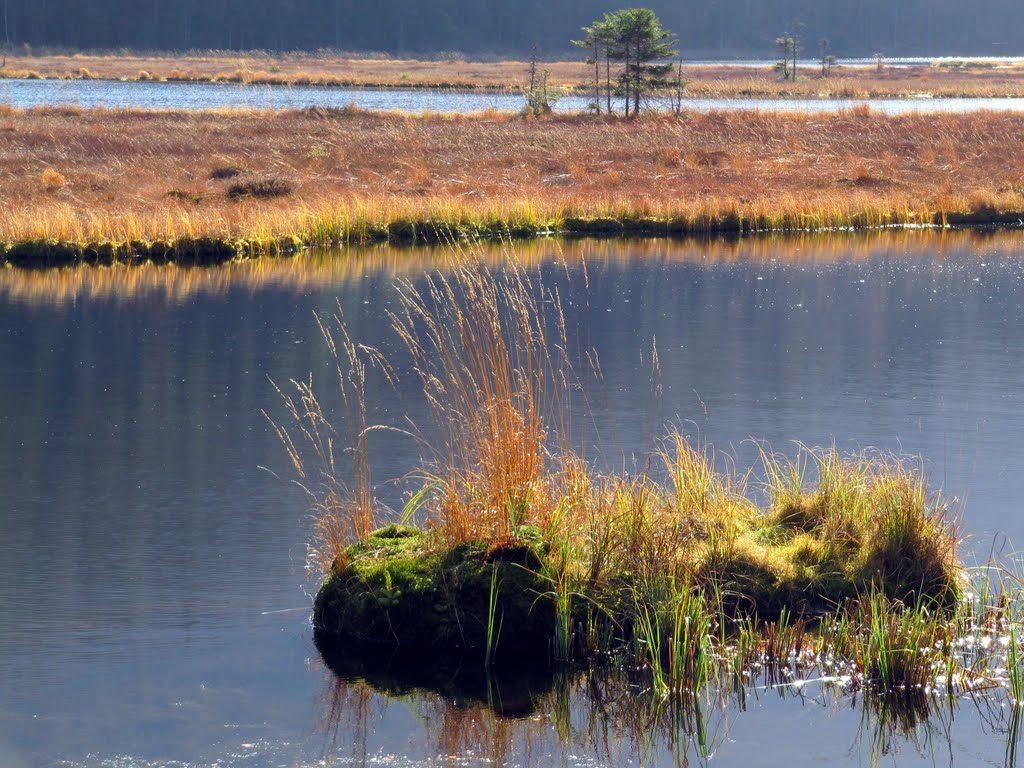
(103, 184)
(941, 79)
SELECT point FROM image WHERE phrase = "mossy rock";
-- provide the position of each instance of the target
(596, 226)
(43, 253)
(394, 590)
(199, 251)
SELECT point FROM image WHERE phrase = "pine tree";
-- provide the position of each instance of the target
(636, 38)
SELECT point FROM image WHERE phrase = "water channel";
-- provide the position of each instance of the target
(155, 599)
(90, 94)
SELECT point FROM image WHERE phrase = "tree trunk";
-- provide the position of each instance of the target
(608, 81)
(626, 80)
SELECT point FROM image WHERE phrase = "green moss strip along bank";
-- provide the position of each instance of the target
(217, 250)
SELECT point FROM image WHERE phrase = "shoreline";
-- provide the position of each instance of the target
(214, 251)
(941, 79)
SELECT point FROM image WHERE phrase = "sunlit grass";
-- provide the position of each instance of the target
(110, 185)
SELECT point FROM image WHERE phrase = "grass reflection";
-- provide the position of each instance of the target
(318, 270)
(611, 715)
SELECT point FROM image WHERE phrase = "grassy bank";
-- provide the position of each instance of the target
(703, 81)
(108, 185)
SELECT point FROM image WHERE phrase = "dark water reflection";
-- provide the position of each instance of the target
(607, 717)
(152, 584)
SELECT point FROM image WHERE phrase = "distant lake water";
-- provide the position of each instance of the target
(91, 94)
(153, 591)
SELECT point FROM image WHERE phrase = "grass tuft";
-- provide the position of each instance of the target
(266, 189)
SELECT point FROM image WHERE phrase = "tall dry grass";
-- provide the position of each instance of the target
(495, 376)
(342, 512)
(490, 348)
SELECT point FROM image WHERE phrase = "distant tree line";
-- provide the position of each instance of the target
(704, 27)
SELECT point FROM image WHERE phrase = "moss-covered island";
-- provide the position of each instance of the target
(394, 589)
(866, 530)
(525, 554)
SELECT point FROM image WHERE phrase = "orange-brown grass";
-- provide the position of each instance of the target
(343, 512)
(129, 175)
(326, 69)
(485, 381)
(855, 82)
(293, 69)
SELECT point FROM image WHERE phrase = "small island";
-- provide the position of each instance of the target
(526, 554)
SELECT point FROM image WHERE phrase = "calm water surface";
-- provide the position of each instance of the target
(148, 95)
(153, 597)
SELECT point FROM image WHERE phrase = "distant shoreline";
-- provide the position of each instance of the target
(962, 78)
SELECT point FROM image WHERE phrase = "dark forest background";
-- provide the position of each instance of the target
(505, 27)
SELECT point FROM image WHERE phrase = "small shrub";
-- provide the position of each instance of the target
(262, 188)
(225, 172)
(181, 194)
(52, 180)
(318, 152)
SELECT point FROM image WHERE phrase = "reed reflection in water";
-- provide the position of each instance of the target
(607, 716)
(314, 270)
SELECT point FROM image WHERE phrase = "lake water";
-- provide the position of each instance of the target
(154, 597)
(91, 94)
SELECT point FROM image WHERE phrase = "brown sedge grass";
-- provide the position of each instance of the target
(379, 177)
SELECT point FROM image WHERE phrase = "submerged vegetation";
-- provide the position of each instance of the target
(515, 549)
(108, 185)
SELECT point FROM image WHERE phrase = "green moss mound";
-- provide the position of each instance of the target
(391, 590)
(396, 590)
